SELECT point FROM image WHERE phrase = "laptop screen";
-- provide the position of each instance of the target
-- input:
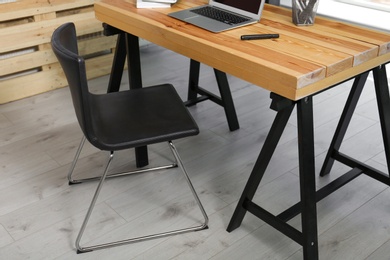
(251, 6)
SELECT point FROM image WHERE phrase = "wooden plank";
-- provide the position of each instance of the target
(26, 62)
(98, 66)
(43, 81)
(339, 77)
(372, 36)
(28, 85)
(343, 34)
(98, 44)
(361, 51)
(46, 56)
(32, 34)
(25, 8)
(323, 56)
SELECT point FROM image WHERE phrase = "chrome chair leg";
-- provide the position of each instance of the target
(75, 159)
(92, 205)
(147, 237)
(181, 166)
(77, 155)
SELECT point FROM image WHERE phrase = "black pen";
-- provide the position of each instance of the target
(259, 36)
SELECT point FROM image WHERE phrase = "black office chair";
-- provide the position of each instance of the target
(122, 120)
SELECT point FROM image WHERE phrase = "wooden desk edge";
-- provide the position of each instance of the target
(340, 77)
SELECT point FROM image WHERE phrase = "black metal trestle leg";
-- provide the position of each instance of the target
(225, 100)
(118, 64)
(135, 81)
(263, 160)
(383, 102)
(345, 119)
(193, 83)
(307, 179)
(308, 237)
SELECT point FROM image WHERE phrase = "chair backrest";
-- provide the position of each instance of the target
(64, 45)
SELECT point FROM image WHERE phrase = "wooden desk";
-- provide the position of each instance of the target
(302, 62)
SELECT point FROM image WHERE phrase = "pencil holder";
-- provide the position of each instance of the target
(304, 11)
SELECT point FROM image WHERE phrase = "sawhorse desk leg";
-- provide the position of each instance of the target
(226, 100)
(383, 101)
(309, 196)
(308, 237)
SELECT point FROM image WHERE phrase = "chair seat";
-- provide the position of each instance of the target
(139, 117)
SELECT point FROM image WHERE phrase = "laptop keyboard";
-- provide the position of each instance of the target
(219, 15)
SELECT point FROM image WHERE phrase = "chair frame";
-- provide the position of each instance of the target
(119, 174)
(177, 163)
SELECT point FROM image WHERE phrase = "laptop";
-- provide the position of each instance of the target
(222, 15)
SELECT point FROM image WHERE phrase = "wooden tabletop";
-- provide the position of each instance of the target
(301, 62)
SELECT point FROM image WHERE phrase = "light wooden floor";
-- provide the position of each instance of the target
(40, 215)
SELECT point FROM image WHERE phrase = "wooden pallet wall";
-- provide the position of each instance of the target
(27, 64)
